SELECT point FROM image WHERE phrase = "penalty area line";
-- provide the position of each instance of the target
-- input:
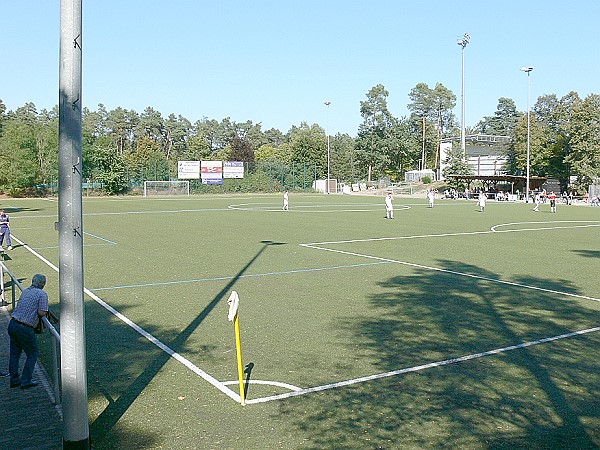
(432, 365)
(454, 272)
(492, 230)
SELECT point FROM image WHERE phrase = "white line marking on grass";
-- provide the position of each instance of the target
(172, 211)
(31, 250)
(591, 223)
(454, 272)
(85, 245)
(368, 207)
(229, 277)
(172, 353)
(101, 238)
(125, 213)
(419, 368)
(395, 238)
(291, 387)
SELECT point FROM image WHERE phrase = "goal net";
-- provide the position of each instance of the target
(179, 187)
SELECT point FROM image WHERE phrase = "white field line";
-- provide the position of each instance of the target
(126, 213)
(420, 367)
(364, 207)
(216, 383)
(590, 223)
(453, 272)
(291, 387)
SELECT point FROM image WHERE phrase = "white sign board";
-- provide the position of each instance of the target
(233, 169)
(211, 172)
(188, 170)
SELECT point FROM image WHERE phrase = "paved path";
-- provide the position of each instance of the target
(30, 419)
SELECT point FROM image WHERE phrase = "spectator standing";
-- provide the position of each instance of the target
(5, 230)
(31, 307)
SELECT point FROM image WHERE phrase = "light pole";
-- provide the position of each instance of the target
(327, 103)
(463, 41)
(528, 71)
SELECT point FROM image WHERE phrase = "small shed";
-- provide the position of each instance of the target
(417, 175)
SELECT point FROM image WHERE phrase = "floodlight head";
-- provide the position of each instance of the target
(527, 69)
(464, 40)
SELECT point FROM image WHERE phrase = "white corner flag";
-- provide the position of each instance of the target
(234, 303)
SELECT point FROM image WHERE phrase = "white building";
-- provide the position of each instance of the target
(486, 154)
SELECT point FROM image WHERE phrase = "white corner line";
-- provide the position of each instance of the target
(420, 367)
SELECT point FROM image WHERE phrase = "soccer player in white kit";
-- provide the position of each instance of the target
(286, 203)
(482, 199)
(389, 206)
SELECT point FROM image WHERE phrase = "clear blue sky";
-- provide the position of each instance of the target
(276, 62)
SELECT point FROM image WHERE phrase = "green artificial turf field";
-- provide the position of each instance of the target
(443, 328)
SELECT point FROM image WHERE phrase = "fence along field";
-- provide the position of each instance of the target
(330, 292)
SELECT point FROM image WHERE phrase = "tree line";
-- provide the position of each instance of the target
(121, 145)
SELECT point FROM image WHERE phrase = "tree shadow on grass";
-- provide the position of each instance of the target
(588, 253)
(137, 366)
(542, 396)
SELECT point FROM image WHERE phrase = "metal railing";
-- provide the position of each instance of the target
(54, 333)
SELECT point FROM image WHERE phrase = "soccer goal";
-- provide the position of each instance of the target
(178, 187)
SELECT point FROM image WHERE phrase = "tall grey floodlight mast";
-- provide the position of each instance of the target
(463, 41)
(327, 103)
(528, 71)
(70, 229)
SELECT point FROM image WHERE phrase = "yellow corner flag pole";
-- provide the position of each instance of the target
(238, 346)
(234, 302)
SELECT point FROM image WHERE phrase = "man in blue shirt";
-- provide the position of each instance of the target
(31, 307)
(4, 230)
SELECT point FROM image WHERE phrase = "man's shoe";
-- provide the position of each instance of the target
(29, 385)
(3, 374)
(9, 247)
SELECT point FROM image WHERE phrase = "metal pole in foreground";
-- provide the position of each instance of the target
(70, 228)
(327, 103)
(463, 41)
(528, 70)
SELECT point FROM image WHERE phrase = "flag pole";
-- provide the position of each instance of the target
(234, 303)
(238, 346)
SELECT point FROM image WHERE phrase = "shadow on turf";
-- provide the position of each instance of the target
(248, 372)
(588, 253)
(141, 370)
(537, 397)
